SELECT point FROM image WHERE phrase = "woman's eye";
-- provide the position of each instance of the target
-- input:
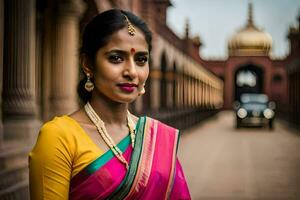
(115, 58)
(141, 60)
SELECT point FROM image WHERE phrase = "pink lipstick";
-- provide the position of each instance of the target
(127, 87)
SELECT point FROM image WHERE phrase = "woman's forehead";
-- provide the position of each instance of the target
(123, 40)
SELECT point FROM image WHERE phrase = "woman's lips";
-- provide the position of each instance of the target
(127, 87)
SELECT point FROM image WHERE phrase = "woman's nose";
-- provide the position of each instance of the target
(130, 69)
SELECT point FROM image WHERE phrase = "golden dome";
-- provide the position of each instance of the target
(250, 41)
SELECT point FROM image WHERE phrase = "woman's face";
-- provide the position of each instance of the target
(121, 66)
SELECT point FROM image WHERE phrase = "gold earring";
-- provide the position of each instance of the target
(89, 85)
(143, 90)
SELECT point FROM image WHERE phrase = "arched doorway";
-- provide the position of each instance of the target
(163, 82)
(248, 79)
(174, 83)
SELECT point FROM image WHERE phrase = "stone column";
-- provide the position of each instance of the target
(189, 91)
(155, 76)
(197, 93)
(184, 90)
(169, 96)
(213, 102)
(194, 91)
(202, 94)
(155, 94)
(181, 91)
(210, 95)
(205, 95)
(178, 90)
(1, 65)
(19, 94)
(64, 69)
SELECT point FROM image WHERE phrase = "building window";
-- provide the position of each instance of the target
(277, 78)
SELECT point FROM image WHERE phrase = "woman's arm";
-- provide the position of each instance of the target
(50, 164)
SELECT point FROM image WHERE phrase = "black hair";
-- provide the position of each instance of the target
(97, 34)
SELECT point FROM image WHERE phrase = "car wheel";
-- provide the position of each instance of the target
(238, 123)
(271, 124)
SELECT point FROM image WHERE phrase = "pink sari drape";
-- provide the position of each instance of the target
(154, 172)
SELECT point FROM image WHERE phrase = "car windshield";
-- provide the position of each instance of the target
(254, 106)
(254, 98)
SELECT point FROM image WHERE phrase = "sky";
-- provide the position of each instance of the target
(215, 21)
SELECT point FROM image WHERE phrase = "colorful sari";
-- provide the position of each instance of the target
(154, 171)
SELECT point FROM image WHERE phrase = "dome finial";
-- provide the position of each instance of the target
(250, 14)
(187, 28)
(250, 40)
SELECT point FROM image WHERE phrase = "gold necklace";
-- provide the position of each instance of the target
(104, 134)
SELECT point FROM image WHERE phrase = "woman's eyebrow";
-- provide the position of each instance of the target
(122, 52)
(142, 53)
(118, 51)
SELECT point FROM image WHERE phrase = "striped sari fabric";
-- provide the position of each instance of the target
(154, 171)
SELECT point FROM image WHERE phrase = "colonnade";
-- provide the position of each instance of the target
(19, 107)
(181, 88)
(39, 72)
(40, 64)
(39, 67)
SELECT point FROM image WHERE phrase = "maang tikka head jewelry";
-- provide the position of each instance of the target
(131, 29)
(89, 85)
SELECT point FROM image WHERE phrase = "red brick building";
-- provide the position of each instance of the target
(293, 73)
(250, 68)
(39, 72)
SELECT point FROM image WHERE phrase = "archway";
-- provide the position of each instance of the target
(163, 82)
(174, 83)
(248, 79)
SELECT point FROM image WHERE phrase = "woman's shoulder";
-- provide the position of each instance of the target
(58, 126)
(54, 141)
(56, 122)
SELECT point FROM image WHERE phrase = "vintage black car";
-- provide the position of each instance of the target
(254, 110)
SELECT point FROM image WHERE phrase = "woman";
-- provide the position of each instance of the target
(102, 151)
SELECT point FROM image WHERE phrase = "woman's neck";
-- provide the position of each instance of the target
(110, 112)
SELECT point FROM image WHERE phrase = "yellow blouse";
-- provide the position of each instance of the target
(62, 150)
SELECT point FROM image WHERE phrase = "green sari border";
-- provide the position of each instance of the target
(125, 185)
(108, 155)
(178, 140)
(103, 159)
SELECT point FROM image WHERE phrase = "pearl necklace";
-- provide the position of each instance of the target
(104, 134)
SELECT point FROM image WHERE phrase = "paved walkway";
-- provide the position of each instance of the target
(222, 163)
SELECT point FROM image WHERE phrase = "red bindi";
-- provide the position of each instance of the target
(132, 50)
